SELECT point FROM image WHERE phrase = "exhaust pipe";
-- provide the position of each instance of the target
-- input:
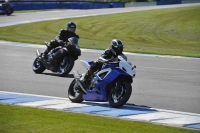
(37, 53)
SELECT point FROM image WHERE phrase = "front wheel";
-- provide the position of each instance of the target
(119, 93)
(38, 66)
(75, 93)
(65, 66)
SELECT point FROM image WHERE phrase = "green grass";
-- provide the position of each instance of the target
(166, 32)
(15, 119)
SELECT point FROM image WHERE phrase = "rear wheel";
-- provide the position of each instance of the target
(75, 93)
(10, 11)
(119, 93)
(65, 67)
(38, 66)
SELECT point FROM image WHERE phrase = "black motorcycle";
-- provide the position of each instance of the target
(63, 65)
(6, 9)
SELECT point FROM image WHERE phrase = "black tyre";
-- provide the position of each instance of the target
(10, 12)
(119, 93)
(75, 93)
(64, 70)
(38, 66)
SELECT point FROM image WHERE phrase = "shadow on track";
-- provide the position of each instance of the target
(132, 107)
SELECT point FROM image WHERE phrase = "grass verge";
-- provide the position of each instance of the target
(166, 32)
(15, 119)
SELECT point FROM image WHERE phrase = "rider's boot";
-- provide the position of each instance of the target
(42, 57)
(85, 77)
(48, 49)
(44, 54)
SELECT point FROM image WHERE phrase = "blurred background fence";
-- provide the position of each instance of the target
(88, 4)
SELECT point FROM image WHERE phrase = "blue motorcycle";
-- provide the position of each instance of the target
(112, 83)
(6, 9)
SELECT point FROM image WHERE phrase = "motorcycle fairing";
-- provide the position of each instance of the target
(86, 64)
(98, 93)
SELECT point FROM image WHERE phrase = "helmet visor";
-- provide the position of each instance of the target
(72, 29)
(120, 49)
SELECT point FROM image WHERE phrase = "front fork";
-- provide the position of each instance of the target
(117, 91)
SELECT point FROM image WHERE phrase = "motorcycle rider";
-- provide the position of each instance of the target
(110, 54)
(7, 5)
(63, 39)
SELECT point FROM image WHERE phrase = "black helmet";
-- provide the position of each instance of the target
(116, 46)
(71, 25)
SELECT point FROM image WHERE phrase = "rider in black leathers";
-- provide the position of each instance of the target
(61, 40)
(111, 53)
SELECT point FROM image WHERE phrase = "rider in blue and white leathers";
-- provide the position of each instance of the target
(111, 53)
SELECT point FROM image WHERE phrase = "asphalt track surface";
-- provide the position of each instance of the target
(161, 82)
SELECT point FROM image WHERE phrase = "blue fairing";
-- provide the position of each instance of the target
(116, 72)
(109, 66)
(99, 92)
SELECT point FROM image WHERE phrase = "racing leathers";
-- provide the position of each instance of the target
(60, 40)
(106, 56)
